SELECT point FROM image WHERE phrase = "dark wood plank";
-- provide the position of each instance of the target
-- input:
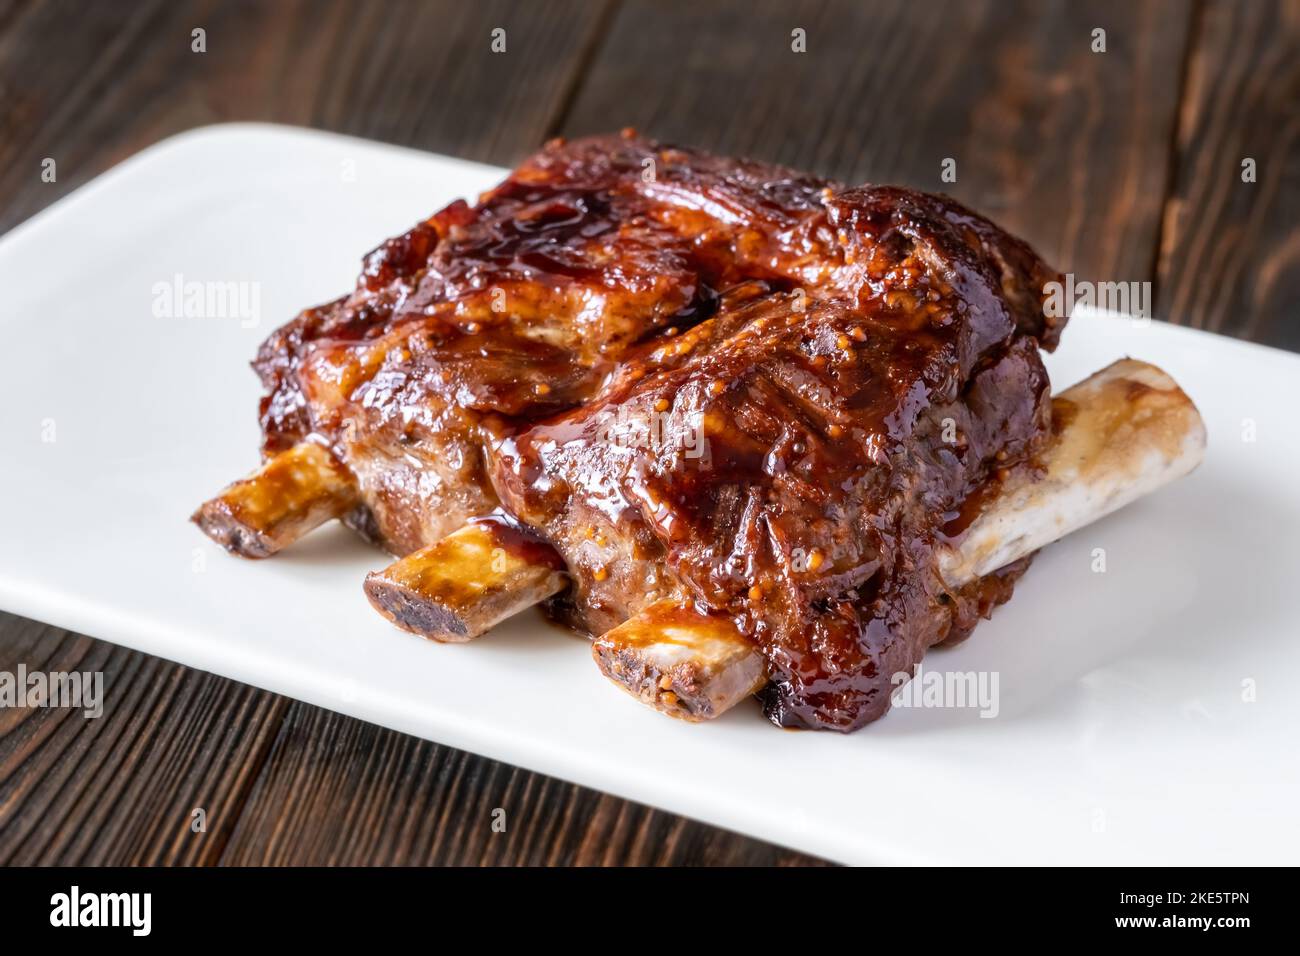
(1062, 145)
(285, 783)
(338, 791)
(1230, 255)
(88, 84)
(122, 788)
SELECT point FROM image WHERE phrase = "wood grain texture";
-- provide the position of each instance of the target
(122, 788)
(88, 84)
(1059, 144)
(1230, 251)
(285, 783)
(338, 791)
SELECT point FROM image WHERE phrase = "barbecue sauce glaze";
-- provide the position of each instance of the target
(697, 378)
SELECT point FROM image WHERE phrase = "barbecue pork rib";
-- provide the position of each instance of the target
(699, 379)
(840, 434)
(483, 319)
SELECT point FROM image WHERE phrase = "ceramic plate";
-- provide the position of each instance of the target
(1146, 713)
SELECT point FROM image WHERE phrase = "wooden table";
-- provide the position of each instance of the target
(1120, 165)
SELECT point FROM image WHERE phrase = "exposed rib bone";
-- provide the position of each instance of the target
(681, 662)
(1120, 434)
(456, 589)
(294, 492)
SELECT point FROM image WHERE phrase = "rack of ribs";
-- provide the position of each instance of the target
(753, 431)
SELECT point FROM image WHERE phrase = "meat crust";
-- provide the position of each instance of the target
(702, 379)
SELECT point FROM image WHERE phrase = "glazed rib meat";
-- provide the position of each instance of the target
(700, 380)
(483, 319)
(792, 461)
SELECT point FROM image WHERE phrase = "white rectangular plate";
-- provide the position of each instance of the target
(1148, 714)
